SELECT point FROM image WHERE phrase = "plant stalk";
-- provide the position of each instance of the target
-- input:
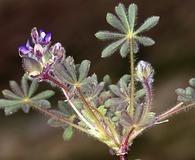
(60, 118)
(123, 157)
(132, 89)
(178, 108)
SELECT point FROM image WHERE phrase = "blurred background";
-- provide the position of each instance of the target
(73, 23)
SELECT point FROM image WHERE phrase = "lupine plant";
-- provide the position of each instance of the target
(114, 114)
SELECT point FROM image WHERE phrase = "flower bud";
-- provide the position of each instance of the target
(144, 72)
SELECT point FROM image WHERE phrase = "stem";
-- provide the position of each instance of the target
(65, 89)
(178, 108)
(148, 96)
(87, 106)
(60, 118)
(123, 157)
(77, 112)
(131, 108)
(90, 110)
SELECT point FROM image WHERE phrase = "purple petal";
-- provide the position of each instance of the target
(28, 44)
(35, 35)
(24, 50)
(47, 38)
(42, 34)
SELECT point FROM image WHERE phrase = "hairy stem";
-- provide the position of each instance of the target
(132, 89)
(123, 157)
(53, 115)
(178, 108)
(87, 106)
(65, 89)
(90, 109)
(77, 112)
(148, 96)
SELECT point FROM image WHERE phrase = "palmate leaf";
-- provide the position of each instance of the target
(21, 97)
(125, 22)
(71, 73)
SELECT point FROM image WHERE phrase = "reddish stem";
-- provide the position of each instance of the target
(123, 157)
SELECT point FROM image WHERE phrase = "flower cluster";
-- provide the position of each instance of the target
(40, 58)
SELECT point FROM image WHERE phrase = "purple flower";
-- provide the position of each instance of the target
(41, 37)
(39, 58)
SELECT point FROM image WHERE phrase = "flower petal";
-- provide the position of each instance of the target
(35, 35)
(23, 50)
(42, 34)
(47, 38)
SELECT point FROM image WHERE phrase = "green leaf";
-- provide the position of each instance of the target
(16, 88)
(102, 109)
(24, 85)
(110, 49)
(53, 122)
(124, 49)
(31, 66)
(71, 68)
(84, 70)
(148, 120)
(192, 82)
(11, 109)
(115, 22)
(68, 133)
(61, 74)
(44, 104)
(43, 95)
(107, 79)
(65, 108)
(189, 91)
(6, 103)
(106, 35)
(146, 41)
(140, 93)
(10, 95)
(148, 24)
(135, 46)
(115, 89)
(138, 113)
(121, 12)
(180, 91)
(132, 11)
(33, 87)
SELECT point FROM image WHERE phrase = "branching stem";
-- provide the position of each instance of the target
(178, 108)
(53, 115)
